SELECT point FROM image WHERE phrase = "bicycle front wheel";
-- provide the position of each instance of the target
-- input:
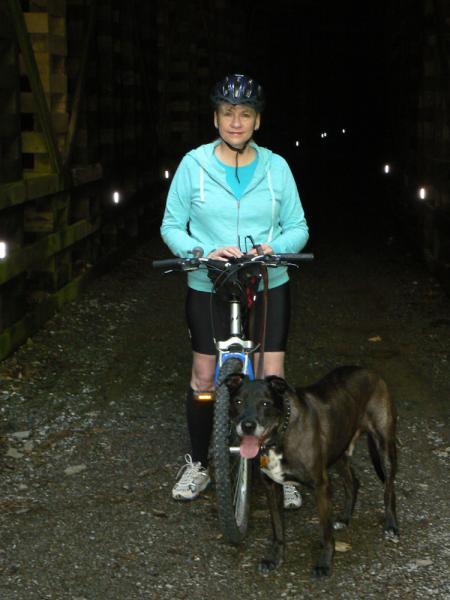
(232, 472)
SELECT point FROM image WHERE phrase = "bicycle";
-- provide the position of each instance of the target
(233, 473)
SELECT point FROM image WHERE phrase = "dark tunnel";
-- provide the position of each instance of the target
(97, 99)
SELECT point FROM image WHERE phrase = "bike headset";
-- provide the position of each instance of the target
(238, 89)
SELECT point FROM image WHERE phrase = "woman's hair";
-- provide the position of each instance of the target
(238, 89)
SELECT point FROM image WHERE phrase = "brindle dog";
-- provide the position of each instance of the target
(299, 434)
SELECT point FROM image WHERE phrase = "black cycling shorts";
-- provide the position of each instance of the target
(202, 332)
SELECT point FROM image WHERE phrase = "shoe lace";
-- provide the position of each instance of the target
(188, 471)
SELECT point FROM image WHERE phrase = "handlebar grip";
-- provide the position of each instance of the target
(166, 262)
(302, 257)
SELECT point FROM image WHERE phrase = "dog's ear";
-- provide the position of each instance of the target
(278, 387)
(234, 382)
(277, 384)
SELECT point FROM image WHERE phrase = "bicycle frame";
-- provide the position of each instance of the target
(235, 346)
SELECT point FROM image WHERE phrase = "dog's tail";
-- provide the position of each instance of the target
(376, 458)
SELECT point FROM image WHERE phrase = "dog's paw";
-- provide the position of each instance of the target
(320, 571)
(267, 565)
(392, 534)
(340, 524)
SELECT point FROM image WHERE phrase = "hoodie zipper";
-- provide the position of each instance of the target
(238, 200)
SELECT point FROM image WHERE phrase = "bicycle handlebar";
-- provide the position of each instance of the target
(166, 262)
(294, 258)
(270, 260)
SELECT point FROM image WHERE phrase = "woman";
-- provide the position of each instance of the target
(222, 194)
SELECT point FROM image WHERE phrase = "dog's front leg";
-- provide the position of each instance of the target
(274, 493)
(323, 497)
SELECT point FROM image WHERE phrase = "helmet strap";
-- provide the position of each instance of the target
(238, 151)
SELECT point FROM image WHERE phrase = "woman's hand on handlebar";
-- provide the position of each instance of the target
(225, 252)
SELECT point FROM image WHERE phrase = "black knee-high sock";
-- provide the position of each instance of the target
(200, 424)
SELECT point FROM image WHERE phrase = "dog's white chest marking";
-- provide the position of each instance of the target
(271, 465)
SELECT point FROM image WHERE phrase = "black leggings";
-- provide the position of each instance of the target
(203, 332)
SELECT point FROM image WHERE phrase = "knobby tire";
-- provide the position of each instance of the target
(232, 472)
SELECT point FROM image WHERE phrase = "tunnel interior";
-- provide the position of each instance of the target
(100, 100)
(327, 85)
(332, 107)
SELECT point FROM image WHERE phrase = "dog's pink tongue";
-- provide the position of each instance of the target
(249, 446)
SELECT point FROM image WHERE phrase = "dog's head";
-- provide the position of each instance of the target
(256, 409)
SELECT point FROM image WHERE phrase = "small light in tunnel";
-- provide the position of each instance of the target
(344, 130)
(323, 134)
(166, 174)
(387, 168)
(297, 144)
(116, 197)
(422, 193)
(3, 250)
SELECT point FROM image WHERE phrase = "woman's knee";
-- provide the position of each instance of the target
(202, 377)
(273, 363)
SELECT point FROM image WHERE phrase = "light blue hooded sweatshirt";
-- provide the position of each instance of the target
(201, 210)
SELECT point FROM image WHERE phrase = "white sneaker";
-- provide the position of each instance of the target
(292, 497)
(194, 479)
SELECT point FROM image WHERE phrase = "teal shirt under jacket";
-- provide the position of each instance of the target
(201, 210)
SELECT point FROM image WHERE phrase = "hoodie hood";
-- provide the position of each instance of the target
(204, 157)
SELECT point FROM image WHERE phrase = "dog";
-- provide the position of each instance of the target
(299, 434)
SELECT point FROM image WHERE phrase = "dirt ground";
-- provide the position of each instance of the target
(93, 433)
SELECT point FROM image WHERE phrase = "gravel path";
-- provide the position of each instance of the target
(93, 432)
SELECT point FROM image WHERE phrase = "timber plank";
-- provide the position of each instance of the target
(28, 256)
(12, 194)
(32, 71)
(58, 83)
(60, 121)
(33, 142)
(27, 103)
(53, 274)
(52, 44)
(86, 174)
(57, 25)
(42, 164)
(53, 7)
(18, 333)
(37, 22)
(48, 214)
(38, 185)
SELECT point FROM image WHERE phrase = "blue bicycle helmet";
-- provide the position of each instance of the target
(238, 89)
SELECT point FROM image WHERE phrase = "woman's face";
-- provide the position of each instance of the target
(236, 123)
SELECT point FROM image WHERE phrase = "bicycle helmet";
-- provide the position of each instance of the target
(238, 89)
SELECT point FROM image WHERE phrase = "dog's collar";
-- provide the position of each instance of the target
(275, 438)
(287, 415)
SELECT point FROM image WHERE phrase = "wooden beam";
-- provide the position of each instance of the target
(28, 256)
(29, 60)
(75, 108)
(19, 332)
